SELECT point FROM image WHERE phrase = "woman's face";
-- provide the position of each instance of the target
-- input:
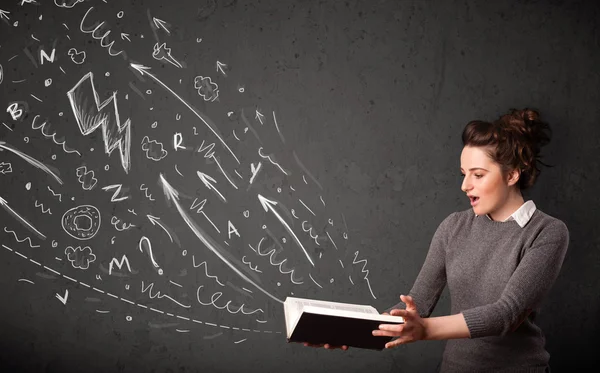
(488, 191)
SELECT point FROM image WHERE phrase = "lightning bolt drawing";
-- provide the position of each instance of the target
(90, 114)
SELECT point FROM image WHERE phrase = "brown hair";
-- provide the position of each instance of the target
(513, 141)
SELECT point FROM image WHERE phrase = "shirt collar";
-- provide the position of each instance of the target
(522, 215)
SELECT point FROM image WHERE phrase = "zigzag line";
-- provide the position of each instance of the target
(19, 241)
(56, 194)
(205, 270)
(53, 136)
(41, 205)
(363, 270)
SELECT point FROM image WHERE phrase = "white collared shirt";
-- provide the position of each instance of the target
(522, 215)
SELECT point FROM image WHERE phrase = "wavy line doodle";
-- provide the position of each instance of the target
(272, 161)
(25, 239)
(271, 253)
(255, 269)
(159, 295)
(205, 270)
(27, 224)
(102, 38)
(41, 206)
(56, 194)
(144, 189)
(215, 296)
(124, 226)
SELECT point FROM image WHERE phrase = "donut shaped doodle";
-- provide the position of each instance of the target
(81, 222)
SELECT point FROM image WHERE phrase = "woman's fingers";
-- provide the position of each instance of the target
(326, 345)
(389, 330)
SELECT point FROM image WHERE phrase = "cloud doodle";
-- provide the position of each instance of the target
(206, 88)
(80, 258)
(154, 149)
(86, 178)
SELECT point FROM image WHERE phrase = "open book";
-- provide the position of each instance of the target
(319, 322)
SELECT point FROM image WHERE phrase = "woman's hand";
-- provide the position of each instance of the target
(326, 345)
(412, 330)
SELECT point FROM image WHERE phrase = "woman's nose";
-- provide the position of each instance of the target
(465, 185)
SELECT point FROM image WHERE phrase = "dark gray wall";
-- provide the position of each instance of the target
(370, 99)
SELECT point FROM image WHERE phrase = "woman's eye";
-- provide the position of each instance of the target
(478, 176)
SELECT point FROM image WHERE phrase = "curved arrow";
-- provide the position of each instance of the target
(155, 220)
(30, 160)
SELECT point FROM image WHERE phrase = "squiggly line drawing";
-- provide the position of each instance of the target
(124, 226)
(255, 269)
(41, 206)
(271, 253)
(42, 126)
(56, 194)
(145, 190)
(25, 239)
(159, 295)
(363, 270)
(270, 160)
(205, 270)
(101, 38)
(216, 297)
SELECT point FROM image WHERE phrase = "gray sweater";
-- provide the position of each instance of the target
(498, 274)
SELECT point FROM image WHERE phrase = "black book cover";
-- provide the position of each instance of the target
(337, 331)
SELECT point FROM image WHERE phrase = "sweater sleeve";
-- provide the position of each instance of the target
(431, 280)
(527, 287)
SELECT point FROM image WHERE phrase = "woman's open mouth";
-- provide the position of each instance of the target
(474, 200)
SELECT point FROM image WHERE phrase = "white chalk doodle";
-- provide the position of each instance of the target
(215, 297)
(48, 82)
(120, 226)
(41, 206)
(42, 127)
(206, 270)
(207, 89)
(63, 299)
(259, 116)
(277, 128)
(363, 270)
(254, 169)
(23, 240)
(44, 56)
(159, 23)
(159, 295)
(16, 110)
(172, 195)
(177, 141)
(144, 189)
(67, 3)
(86, 178)
(145, 243)
(162, 52)
(221, 67)
(269, 205)
(4, 14)
(271, 253)
(117, 192)
(26, 280)
(156, 221)
(198, 206)
(78, 57)
(56, 194)
(103, 38)
(144, 70)
(90, 114)
(22, 220)
(272, 161)
(207, 181)
(5, 168)
(232, 229)
(82, 222)
(125, 36)
(1, 74)
(255, 269)
(154, 150)
(115, 262)
(80, 258)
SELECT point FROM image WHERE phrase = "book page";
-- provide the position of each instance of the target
(334, 305)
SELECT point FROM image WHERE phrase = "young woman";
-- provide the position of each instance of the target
(499, 258)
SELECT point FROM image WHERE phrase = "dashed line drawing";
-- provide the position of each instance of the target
(23, 221)
(99, 311)
(56, 194)
(208, 241)
(25, 239)
(124, 226)
(162, 52)
(144, 70)
(80, 258)
(207, 89)
(37, 98)
(32, 161)
(5, 168)
(363, 270)
(90, 114)
(117, 188)
(86, 178)
(154, 149)
(270, 160)
(144, 189)
(255, 269)
(205, 270)
(92, 218)
(41, 206)
(77, 57)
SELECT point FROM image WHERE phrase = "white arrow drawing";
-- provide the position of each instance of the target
(5, 205)
(220, 67)
(267, 204)
(212, 245)
(125, 36)
(207, 182)
(3, 14)
(161, 24)
(144, 70)
(259, 116)
(155, 220)
(63, 299)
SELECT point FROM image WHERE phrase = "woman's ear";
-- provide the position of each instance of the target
(513, 176)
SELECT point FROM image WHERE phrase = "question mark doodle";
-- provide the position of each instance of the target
(144, 241)
(195, 132)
